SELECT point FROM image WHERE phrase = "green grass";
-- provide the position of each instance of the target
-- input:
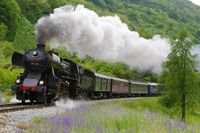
(117, 116)
(153, 105)
(140, 115)
(3, 122)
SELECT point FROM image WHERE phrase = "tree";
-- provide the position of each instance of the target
(10, 13)
(25, 36)
(179, 76)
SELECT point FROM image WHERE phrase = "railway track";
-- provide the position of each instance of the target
(18, 106)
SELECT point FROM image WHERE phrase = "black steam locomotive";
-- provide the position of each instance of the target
(47, 76)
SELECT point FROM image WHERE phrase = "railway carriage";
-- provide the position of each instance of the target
(95, 85)
(87, 83)
(153, 89)
(138, 88)
(102, 84)
(120, 86)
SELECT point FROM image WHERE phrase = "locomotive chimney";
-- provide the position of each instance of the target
(41, 46)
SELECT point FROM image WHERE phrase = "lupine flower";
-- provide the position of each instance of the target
(169, 126)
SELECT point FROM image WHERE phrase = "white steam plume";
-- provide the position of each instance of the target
(82, 31)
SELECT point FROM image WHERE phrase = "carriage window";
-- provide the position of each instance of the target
(101, 83)
(104, 83)
(98, 83)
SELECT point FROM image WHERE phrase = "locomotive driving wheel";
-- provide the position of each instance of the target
(23, 101)
(31, 100)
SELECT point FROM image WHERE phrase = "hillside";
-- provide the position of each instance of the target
(150, 17)
(147, 17)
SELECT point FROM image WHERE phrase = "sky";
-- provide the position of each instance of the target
(197, 2)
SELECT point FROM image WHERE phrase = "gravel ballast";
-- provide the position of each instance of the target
(13, 122)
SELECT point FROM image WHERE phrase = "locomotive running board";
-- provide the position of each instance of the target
(67, 77)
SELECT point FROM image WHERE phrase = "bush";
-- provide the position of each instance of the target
(8, 77)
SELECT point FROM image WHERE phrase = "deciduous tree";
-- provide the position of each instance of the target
(179, 76)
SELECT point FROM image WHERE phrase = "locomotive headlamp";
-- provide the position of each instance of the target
(18, 81)
(35, 53)
(41, 82)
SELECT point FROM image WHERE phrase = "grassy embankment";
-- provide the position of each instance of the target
(132, 115)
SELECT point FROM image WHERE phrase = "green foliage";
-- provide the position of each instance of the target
(34, 9)
(154, 105)
(146, 17)
(37, 119)
(179, 77)
(6, 51)
(56, 3)
(25, 37)
(8, 77)
(3, 31)
(10, 13)
(150, 17)
(151, 104)
(6, 96)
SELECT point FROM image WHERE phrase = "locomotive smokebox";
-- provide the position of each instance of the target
(41, 46)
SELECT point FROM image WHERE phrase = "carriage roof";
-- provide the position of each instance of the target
(110, 77)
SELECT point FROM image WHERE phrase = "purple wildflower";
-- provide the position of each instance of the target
(96, 130)
(65, 130)
(67, 120)
(169, 126)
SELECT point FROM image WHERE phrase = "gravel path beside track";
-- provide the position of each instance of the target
(13, 122)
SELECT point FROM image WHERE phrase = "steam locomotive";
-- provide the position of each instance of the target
(47, 77)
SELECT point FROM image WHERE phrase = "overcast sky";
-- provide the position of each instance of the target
(197, 2)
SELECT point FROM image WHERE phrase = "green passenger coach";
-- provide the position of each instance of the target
(96, 85)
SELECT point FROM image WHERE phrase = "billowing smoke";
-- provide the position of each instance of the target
(83, 32)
